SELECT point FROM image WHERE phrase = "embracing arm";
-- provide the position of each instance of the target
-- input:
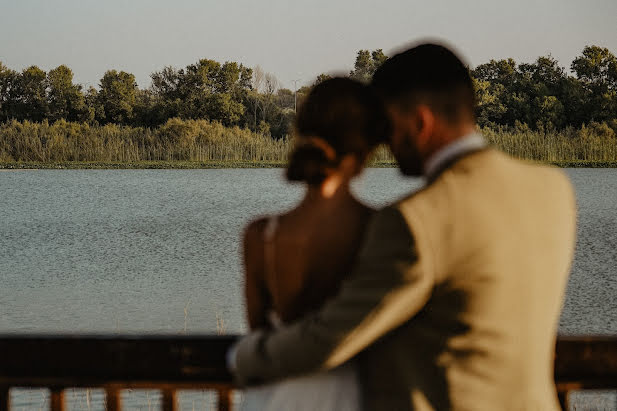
(389, 285)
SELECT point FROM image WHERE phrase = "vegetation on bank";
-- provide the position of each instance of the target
(196, 165)
(203, 144)
(541, 94)
(210, 114)
(141, 165)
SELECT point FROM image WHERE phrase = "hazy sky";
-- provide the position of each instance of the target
(293, 40)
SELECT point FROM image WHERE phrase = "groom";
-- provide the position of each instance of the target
(455, 297)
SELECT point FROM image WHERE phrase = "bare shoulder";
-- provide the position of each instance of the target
(252, 240)
(254, 230)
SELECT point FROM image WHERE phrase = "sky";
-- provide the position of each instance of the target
(295, 40)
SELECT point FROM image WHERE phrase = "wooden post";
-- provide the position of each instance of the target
(112, 399)
(563, 399)
(57, 399)
(5, 398)
(224, 400)
(169, 399)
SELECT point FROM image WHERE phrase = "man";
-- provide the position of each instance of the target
(456, 295)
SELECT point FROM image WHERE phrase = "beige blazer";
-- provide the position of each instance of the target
(455, 298)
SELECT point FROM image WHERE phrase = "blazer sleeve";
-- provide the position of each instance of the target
(389, 285)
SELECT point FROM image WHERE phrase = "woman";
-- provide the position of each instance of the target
(295, 261)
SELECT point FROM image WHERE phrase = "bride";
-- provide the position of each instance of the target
(295, 261)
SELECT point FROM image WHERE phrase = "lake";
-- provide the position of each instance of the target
(158, 251)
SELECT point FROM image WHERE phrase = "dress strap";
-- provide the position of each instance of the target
(269, 236)
(269, 251)
(270, 230)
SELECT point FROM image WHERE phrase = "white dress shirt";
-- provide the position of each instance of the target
(471, 142)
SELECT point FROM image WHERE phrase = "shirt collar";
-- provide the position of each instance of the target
(471, 142)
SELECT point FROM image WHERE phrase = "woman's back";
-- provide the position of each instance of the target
(306, 253)
(296, 261)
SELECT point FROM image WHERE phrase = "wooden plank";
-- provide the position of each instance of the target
(586, 363)
(563, 399)
(169, 400)
(113, 400)
(5, 398)
(31, 360)
(57, 399)
(224, 400)
(35, 360)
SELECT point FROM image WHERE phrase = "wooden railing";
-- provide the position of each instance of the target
(170, 363)
(167, 363)
(585, 363)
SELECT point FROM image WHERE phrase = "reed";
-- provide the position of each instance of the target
(569, 146)
(176, 140)
(204, 144)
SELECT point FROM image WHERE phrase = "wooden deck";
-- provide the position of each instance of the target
(169, 363)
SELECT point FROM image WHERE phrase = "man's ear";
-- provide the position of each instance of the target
(424, 120)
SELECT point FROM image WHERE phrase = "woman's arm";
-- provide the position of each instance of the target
(255, 291)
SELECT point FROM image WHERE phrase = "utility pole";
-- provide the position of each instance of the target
(295, 95)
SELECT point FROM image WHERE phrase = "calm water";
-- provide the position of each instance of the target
(158, 250)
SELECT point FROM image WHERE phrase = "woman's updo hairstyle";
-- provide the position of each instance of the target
(340, 116)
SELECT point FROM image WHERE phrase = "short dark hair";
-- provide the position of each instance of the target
(431, 74)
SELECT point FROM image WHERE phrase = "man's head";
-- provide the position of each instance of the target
(430, 97)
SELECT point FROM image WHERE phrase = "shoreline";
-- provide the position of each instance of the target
(197, 165)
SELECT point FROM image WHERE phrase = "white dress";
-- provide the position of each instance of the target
(332, 390)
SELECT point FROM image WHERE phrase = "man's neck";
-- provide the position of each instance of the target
(447, 136)
(472, 141)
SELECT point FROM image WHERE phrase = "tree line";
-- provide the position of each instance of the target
(541, 95)
(228, 93)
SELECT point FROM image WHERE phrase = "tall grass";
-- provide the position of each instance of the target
(203, 141)
(176, 140)
(588, 144)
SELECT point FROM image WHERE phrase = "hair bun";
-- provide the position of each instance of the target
(339, 117)
(309, 163)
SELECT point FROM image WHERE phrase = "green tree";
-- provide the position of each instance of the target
(500, 98)
(285, 99)
(94, 106)
(65, 99)
(31, 95)
(165, 83)
(597, 70)
(366, 64)
(223, 108)
(167, 94)
(8, 84)
(117, 96)
(145, 111)
(378, 57)
(496, 71)
(542, 83)
(206, 89)
(597, 66)
(489, 102)
(321, 78)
